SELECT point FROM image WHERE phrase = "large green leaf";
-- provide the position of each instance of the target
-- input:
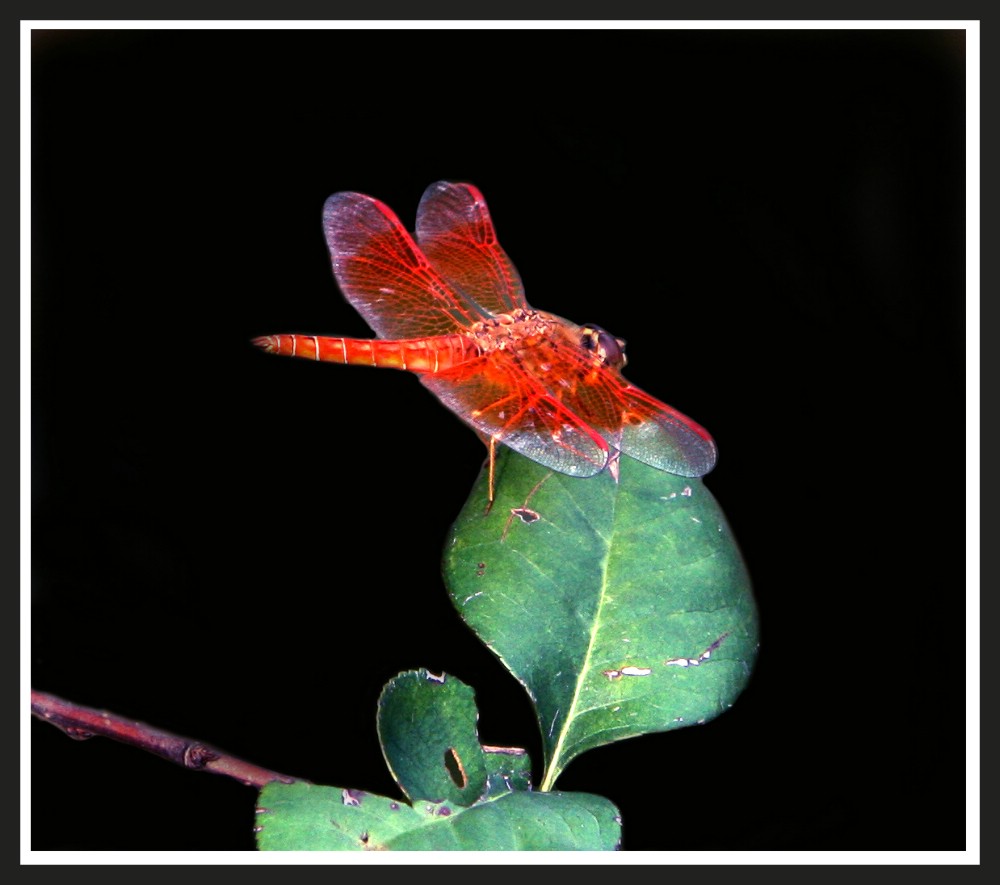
(624, 607)
(306, 817)
(427, 728)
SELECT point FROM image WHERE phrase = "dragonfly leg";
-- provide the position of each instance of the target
(613, 464)
(493, 460)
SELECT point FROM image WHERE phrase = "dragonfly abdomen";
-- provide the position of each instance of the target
(422, 355)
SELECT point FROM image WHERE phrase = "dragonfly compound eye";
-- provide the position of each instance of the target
(608, 349)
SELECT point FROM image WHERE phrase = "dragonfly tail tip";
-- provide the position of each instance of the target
(267, 343)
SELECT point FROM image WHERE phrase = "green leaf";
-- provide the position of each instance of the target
(306, 817)
(427, 727)
(622, 607)
(507, 768)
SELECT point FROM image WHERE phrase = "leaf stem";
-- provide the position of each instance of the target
(81, 723)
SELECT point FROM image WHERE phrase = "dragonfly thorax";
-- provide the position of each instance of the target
(508, 331)
(534, 334)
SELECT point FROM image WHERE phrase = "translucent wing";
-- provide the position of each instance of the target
(456, 233)
(644, 428)
(561, 408)
(512, 406)
(385, 276)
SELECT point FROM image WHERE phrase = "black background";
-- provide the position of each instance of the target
(244, 549)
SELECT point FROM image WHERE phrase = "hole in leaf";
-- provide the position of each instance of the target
(453, 765)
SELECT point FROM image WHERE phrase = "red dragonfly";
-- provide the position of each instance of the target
(452, 310)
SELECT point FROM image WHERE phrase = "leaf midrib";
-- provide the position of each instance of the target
(554, 767)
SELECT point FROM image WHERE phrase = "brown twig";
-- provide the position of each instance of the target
(81, 723)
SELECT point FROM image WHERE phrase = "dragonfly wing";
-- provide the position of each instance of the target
(599, 398)
(456, 233)
(646, 429)
(521, 414)
(571, 414)
(385, 276)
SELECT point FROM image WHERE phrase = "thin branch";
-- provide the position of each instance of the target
(81, 723)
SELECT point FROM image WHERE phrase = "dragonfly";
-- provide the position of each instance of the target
(448, 305)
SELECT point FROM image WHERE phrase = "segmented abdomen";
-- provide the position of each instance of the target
(421, 355)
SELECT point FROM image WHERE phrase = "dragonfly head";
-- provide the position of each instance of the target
(609, 350)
